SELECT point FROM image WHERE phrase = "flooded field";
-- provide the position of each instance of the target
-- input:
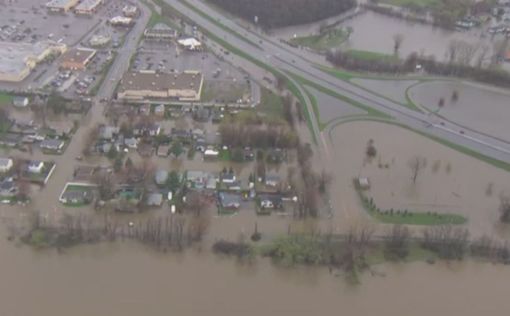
(124, 279)
(447, 182)
(374, 32)
(484, 109)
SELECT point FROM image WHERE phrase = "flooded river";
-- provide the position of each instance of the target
(124, 279)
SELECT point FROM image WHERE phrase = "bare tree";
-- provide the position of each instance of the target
(504, 209)
(90, 140)
(105, 185)
(466, 52)
(482, 55)
(447, 241)
(397, 42)
(397, 242)
(417, 164)
(196, 203)
(453, 48)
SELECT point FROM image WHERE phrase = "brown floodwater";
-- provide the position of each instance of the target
(123, 279)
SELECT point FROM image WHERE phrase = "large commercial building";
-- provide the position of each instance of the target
(148, 85)
(77, 58)
(87, 6)
(61, 5)
(18, 59)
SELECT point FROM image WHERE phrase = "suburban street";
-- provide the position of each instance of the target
(291, 60)
(49, 199)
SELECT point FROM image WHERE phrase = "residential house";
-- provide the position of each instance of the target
(145, 109)
(52, 144)
(272, 180)
(131, 143)
(108, 132)
(76, 197)
(248, 154)
(229, 201)
(228, 178)
(211, 153)
(271, 201)
(35, 166)
(163, 150)
(159, 110)
(5, 164)
(181, 135)
(20, 101)
(154, 199)
(201, 180)
(161, 177)
(8, 188)
(147, 130)
(275, 156)
(200, 145)
(10, 140)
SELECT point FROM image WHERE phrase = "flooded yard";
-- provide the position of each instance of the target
(374, 32)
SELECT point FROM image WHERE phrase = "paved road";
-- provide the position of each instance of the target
(289, 59)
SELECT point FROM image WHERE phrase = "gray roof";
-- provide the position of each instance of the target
(52, 143)
(4, 162)
(161, 176)
(154, 199)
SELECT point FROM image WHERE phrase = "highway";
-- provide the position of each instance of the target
(289, 59)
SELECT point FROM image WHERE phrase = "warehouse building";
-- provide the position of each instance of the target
(148, 85)
(87, 7)
(61, 5)
(18, 59)
(77, 58)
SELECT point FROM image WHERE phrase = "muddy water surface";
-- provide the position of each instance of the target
(123, 279)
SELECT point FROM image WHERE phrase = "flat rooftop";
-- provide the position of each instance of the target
(78, 55)
(88, 5)
(160, 81)
(58, 3)
(14, 57)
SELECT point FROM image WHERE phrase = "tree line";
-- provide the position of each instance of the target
(279, 13)
(453, 68)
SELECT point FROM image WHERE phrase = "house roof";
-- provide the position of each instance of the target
(52, 143)
(35, 164)
(4, 162)
(229, 199)
(161, 176)
(154, 199)
(20, 101)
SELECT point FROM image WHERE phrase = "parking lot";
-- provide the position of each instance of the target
(22, 21)
(168, 57)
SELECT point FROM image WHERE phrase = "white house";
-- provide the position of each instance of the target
(20, 102)
(35, 166)
(5, 164)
